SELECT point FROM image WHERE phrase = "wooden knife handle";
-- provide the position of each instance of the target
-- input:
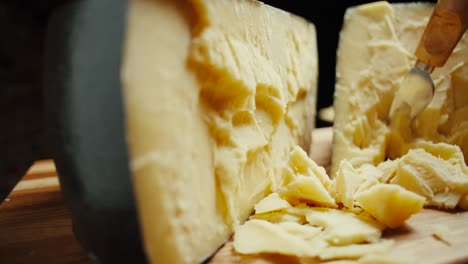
(446, 26)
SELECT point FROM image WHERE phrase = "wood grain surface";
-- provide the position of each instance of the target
(35, 226)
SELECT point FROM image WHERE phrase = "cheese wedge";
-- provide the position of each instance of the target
(216, 95)
(376, 48)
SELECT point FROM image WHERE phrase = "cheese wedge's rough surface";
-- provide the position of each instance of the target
(376, 48)
(216, 93)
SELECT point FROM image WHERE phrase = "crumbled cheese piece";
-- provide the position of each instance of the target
(259, 236)
(344, 228)
(387, 259)
(390, 204)
(271, 203)
(280, 216)
(355, 251)
(346, 182)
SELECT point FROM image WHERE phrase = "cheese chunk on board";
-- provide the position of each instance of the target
(217, 93)
(376, 51)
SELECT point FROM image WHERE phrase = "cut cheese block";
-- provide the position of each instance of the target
(376, 48)
(216, 95)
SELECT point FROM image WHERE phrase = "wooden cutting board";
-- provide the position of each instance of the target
(35, 226)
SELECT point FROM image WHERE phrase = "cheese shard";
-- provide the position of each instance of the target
(307, 189)
(300, 164)
(259, 236)
(347, 181)
(344, 228)
(280, 217)
(441, 179)
(216, 94)
(305, 181)
(376, 51)
(355, 251)
(306, 232)
(271, 203)
(390, 204)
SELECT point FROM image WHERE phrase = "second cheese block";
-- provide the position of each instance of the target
(376, 51)
(217, 93)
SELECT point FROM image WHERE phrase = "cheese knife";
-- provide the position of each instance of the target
(446, 26)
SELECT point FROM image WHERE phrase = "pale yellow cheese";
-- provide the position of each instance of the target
(375, 54)
(279, 217)
(324, 233)
(306, 232)
(305, 181)
(307, 189)
(385, 258)
(347, 233)
(271, 203)
(259, 236)
(347, 181)
(355, 251)
(376, 51)
(344, 228)
(216, 94)
(390, 204)
(442, 181)
(300, 164)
